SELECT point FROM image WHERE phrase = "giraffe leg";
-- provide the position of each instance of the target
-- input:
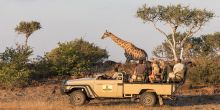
(128, 57)
(127, 61)
(144, 61)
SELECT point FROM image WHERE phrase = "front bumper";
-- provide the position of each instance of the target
(63, 88)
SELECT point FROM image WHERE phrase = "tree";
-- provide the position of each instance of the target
(213, 40)
(27, 28)
(175, 17)
(164, 50)
(194, 47)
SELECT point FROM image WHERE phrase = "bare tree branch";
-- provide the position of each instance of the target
(158, 29)
(154, 24)
(173, 30)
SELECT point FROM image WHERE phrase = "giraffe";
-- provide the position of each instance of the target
(131, 51)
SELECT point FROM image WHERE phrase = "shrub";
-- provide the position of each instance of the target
(11, 76)
(74, 57)
(205, 71)
(14, 66)
(41, 68)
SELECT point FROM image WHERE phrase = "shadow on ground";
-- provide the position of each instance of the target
(187, 100)
(190, 100)
(107, 102)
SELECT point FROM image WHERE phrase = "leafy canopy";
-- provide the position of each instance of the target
(213, 40)
(27, 28)
(205, 45)
(176, 15)
(179, 19)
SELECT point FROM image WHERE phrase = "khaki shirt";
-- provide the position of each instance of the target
(179, 69)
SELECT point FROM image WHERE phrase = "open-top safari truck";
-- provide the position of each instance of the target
(81, 91)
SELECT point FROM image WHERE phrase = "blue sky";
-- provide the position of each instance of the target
(65, 20)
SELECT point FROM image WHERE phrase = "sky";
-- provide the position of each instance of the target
(66, 20)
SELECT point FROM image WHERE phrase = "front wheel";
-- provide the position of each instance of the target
(77, 98)
(148, 99)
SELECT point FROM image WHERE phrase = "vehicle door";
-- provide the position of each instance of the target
(109, 88)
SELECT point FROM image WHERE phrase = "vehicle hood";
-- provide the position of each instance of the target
(80, 81)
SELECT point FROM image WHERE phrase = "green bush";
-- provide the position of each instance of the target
(206, 70)
(14, 69)
(11, 76)
(41, 68)
(74, 57)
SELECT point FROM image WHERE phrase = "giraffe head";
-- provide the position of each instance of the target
(106, 34)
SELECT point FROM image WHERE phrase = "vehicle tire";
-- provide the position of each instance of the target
(148, 99)
(77, 98)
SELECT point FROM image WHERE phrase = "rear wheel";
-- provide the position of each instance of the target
(77, 98)
(148, 99)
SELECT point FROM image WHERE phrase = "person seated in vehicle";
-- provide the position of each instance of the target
(102, 76)
(148, 71)
(178, 72)
(164, 69)
(115, 75)
(155, 71)
(139, 71)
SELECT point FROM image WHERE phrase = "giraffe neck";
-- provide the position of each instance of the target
(119, 41)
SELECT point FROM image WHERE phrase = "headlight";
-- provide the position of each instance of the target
(63, 82)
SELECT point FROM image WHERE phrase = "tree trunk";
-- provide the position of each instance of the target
(173, 29)
(174, 53)
(181, 48)
(26, 40)
(181, 53)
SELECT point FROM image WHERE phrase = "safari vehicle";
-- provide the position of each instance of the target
(81, 91)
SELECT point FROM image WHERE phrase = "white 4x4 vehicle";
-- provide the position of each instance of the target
(81, 91)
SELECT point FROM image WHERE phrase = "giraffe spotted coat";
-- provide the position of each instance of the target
(131, 51)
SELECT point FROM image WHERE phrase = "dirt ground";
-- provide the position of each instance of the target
(48, 97)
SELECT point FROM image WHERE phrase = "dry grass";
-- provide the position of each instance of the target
(61, 105)
(35, 105)
(44, 98)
